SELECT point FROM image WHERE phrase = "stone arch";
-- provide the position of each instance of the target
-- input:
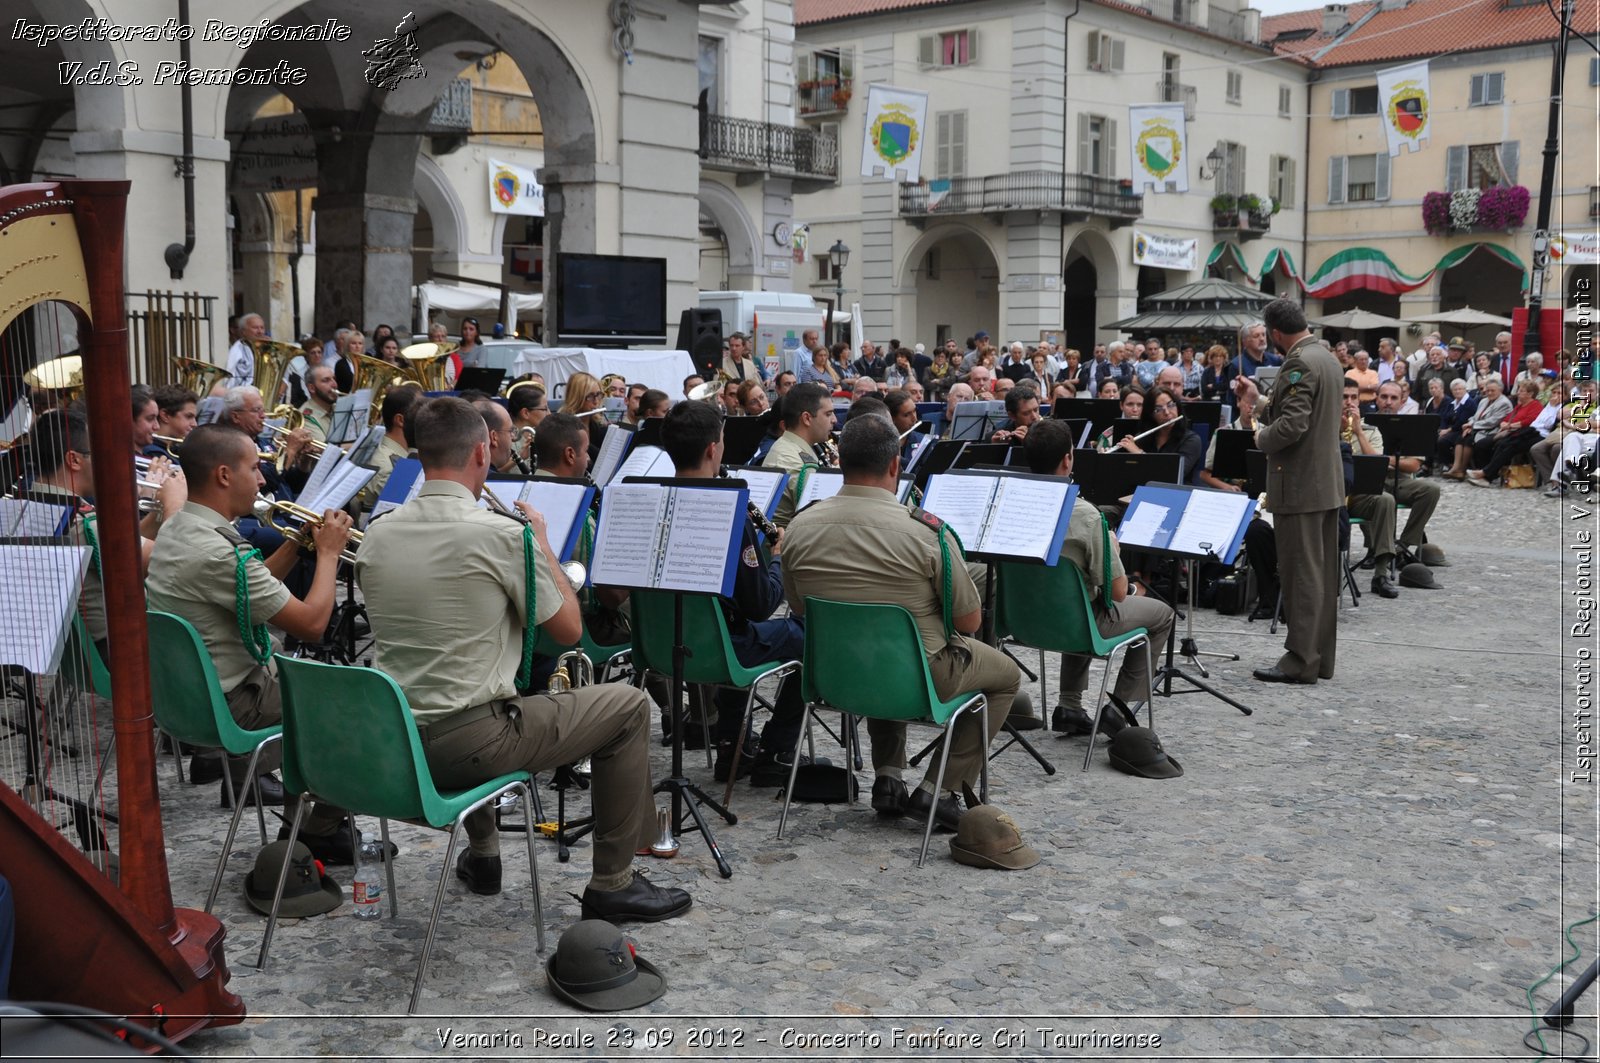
(952, 273)
(1097, 248)
(435, 192)
(906, 274)
(1085, 312)
(744, 241)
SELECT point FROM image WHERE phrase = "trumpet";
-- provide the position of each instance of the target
(170, 444)
(295, 523)
(278, 457)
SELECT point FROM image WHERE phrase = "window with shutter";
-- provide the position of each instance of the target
(1364, 100)
(1336, 179)
(1381, 182)
(1095, 45)
(1361, 178)
(950, 153)
(927, 51)
(1455, 168)
(1118, 48)
(1486, 89)
(1510, 153)
(1285, 100)
(1085, 157)
(1594, 72)
(1341, 103)
(1235, 86)
(972, 46)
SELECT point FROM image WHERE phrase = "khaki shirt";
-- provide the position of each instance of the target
(445, 592)
(317, 421)
(789, 452)
(893, 559)
(1300, 432)
(1085, 547)
(92, 598)
(389, 451)
(192, 571)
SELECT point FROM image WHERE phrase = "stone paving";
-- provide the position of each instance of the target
(1374, 867)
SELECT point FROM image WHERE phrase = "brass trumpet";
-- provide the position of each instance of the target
(279, 457)
(272, 513)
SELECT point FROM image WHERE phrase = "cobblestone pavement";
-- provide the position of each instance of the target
(1378, 867)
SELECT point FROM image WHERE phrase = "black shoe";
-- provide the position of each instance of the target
(1367, 563)
(1383, 584)
(1276, 675)
(1113, 720)
(480, 873)
(888, 797)
(205, 767)
(271, 793)
(640, 902)
(1070, 721)
(772, 769)
(724, 762)
(947, 814)
(694, 737)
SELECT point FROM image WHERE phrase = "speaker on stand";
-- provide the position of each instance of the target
(700, 333)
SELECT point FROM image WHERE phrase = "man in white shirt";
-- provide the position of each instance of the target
(1388, 350)
(241, 357)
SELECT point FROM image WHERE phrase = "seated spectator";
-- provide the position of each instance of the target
(1532, 369)
(1493, 407)
(1453, 421)
(863, 385)
(1576, 416)
(1408, 405)
(1064, 389)
(1530, 422)
(1437, 400)
(898, 375)
(820, 370)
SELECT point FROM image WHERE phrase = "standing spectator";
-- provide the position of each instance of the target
(898, 375)
(1253, 353)
(1366, 379)
(1216, 381)
(1147, 371)
(1388, 350)
(870, 363)
(1193, 372)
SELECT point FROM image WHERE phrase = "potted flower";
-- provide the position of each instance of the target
(1225, 210)
(1503, 207)
(1436, 213)
(1464, 208)
(1253, 212)
(840, 97)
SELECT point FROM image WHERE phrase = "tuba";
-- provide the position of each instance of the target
(379, 376)
(63, 375)
(272, 366)
(197, 374)
(428, 362)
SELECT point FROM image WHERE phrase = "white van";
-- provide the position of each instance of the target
(739, 308)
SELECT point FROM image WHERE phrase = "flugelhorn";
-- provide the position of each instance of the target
(268, 512)
(280, 457)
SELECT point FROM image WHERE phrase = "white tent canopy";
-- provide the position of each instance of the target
(470, 299)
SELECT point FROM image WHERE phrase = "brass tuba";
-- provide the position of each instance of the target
(63, 375)
(272, 366)
(379, 376)
(197, 374)
(428, 362)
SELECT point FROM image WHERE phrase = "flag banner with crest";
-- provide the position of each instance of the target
(514, 189)
(896, 125)
(1403, 96)
(1158, 147)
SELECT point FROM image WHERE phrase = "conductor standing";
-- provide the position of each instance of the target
(1305, 486)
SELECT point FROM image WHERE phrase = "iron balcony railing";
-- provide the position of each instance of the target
(1024, 190)
(743, 144)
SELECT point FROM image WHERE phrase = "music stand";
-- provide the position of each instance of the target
(1411, 435)
(983, 454)
(647, 433)
(976, 421)
(941, 456)
(1111, 475)
(1167, 535)
(740, 437)
(1098, 412)
(713, 548)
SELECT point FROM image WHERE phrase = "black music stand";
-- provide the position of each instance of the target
(1221, 553)
(741, 436)
(1412, 435)
(982, 454)
(1098, 412)
(686, 796)
(1109, 476)
(940, 457)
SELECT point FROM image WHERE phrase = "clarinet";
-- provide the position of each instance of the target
(769, 531)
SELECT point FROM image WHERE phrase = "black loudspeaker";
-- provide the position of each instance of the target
(700, 333)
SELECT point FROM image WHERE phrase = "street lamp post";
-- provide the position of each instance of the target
(1547, 181)
(838, 256)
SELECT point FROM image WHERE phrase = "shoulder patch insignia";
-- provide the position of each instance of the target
(927, 518)
(1294, 376)
(751, 558)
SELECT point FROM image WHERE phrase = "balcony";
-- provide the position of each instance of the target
(1169, 90)
(1074, 194)
(1246, 217)
(822, 97)
(743, 146)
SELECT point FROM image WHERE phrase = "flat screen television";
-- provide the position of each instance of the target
(610, 300)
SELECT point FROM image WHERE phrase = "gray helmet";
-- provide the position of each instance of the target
(596, 968)
(1418, 575)
(1432, 555)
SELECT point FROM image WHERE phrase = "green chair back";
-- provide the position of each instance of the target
(705, 633)
(188, 701)
(1069, 627)
(350, 739)
(868, 660)
(545, 646)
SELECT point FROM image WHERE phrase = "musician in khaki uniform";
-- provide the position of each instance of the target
(808, 420)
(321, 394)
(1305, 486)
(455, 638)
(398, 403)
(1377, 512)
(895, 558)
(193, 573)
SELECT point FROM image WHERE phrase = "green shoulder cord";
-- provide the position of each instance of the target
(94, 544)
(800, 479)
(1105, 563)
(586, 555)
(257, 642)
(530, 630)
(947, 571)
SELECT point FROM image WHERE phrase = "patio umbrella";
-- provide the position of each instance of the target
(1467, 316)
(1357, 320)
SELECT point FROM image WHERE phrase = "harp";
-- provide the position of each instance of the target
(81, 938)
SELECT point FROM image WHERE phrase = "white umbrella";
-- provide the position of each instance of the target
(1467, 316)
(1357, 320)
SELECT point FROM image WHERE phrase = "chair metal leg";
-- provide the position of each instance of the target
(388, 868)
(794, 768)
(1149, 685)
(938, 788)
(1094, 726)
(177, 756)
(283, 877)
(433, 917)
(233, 826)
(983, 772)
(533, 868)
(738, 744)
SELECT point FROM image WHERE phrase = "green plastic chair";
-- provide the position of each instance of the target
(711, 660)
(867, 660)
(81, 651)
(1069, 629)
(190, 706)
(349, 739)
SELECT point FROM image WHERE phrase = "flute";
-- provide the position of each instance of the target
(1153, 431)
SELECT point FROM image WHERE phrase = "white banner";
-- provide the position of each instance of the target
(1157, 147)
(1575, 248)
(895, 127)
(1165, 252)
(1403, 94)
(514, 189)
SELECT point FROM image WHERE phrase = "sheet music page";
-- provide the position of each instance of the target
(1142, 524)
(612, 447)
(1024, 518)
(39, 588)
(208, 411)
(331, 456)
(507, 491)
(820, 483)
(961, 502)
(338, 488)
(27, 516)
(1209, 522)
(558, 503)
(903, 494)
(625, 541)
(645, 461)
(763, 485)
(366, 445)
(699, 539)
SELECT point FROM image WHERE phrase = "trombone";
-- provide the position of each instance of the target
(295, 523)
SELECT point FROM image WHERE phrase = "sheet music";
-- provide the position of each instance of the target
(1023, 518)
(27, 516)
(629, 530)
(345, 411)
(561, 505)
(962, 502)
(1142, 524)
(904, 492)
(338, 488)
(39, 587)
(820, 483)
(507, 491)
(764, 485)
(330, 456)
(612, 448)
(366, 445)
(209, 410)
(696, 554)
(1209, 523)
(645, 461)
(969, 420)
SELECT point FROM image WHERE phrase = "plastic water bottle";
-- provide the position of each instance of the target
(366, 890)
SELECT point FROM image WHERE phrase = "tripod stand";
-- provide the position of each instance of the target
(1190, 651)
(686, 796)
